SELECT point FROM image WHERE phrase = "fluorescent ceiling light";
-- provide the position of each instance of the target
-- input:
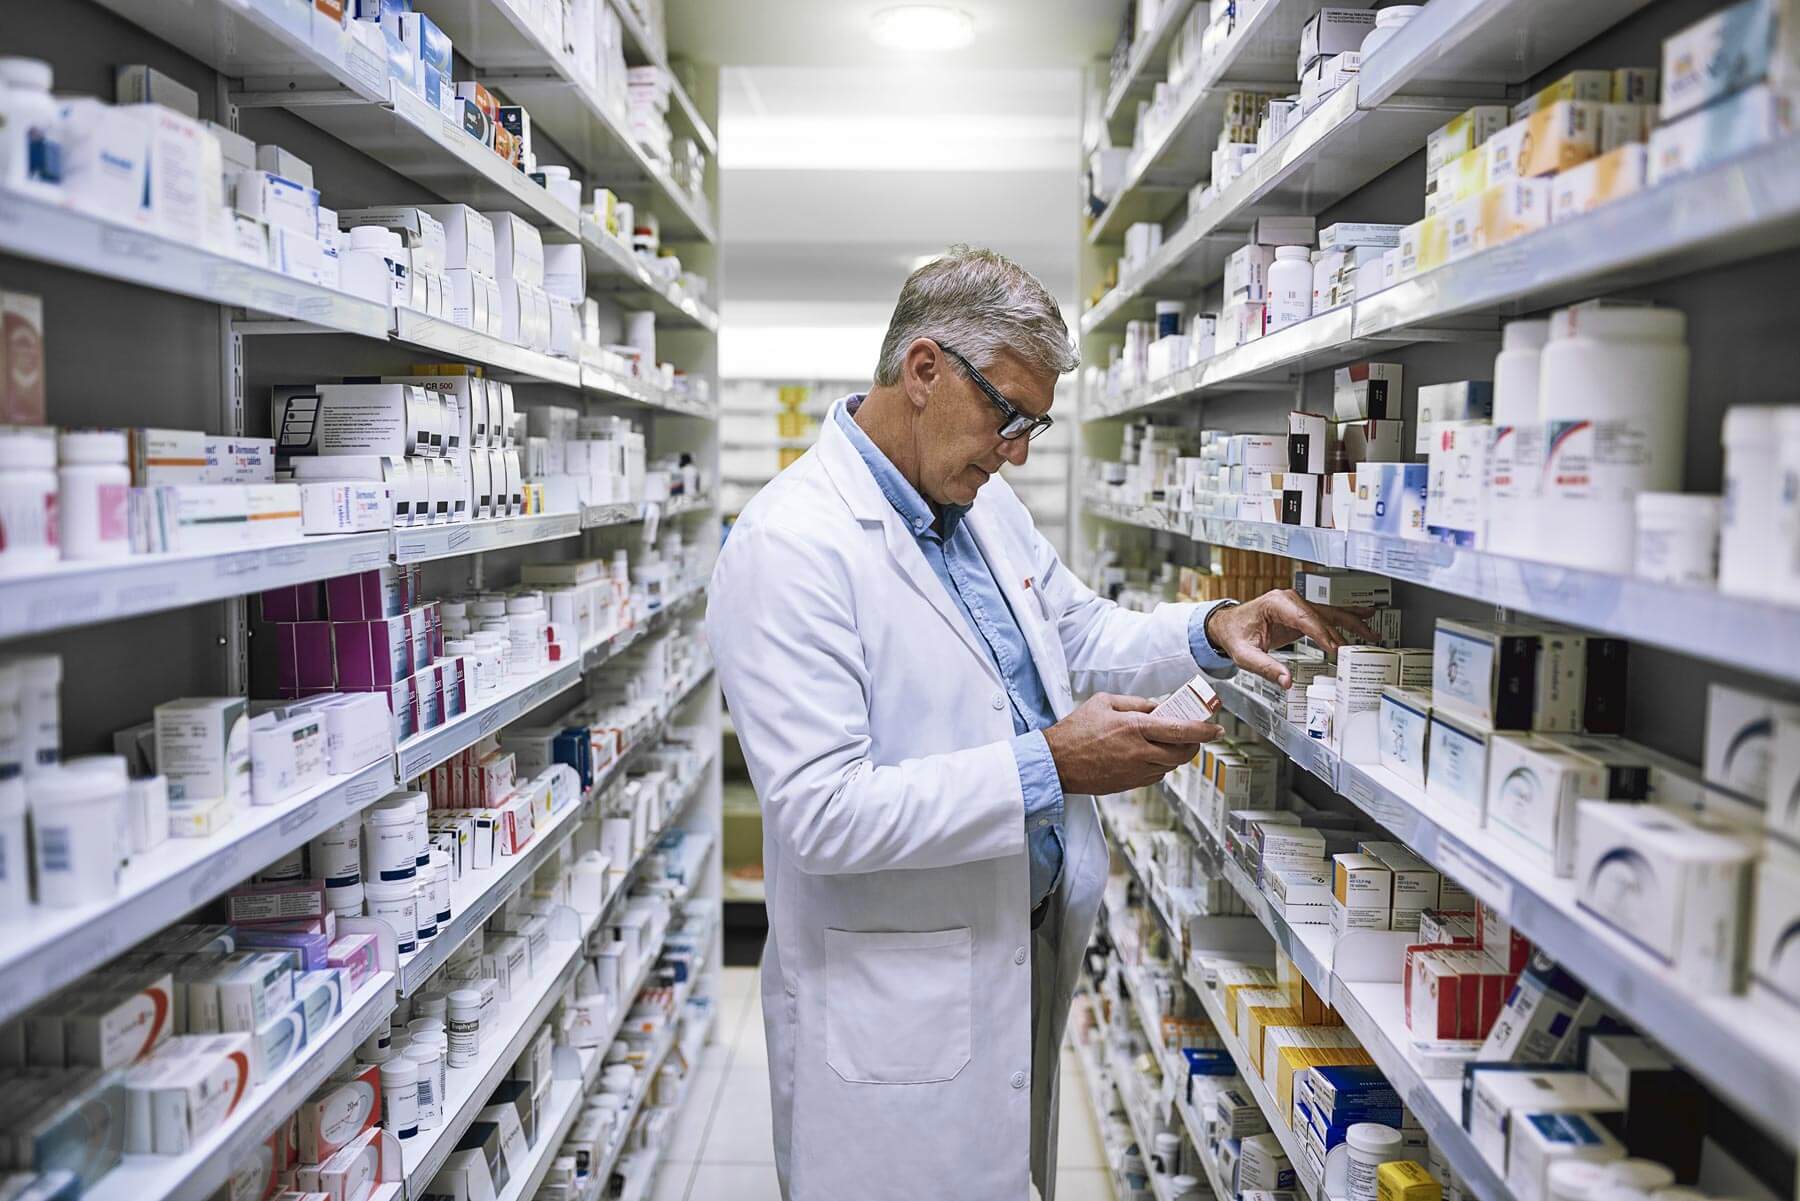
(924, 27)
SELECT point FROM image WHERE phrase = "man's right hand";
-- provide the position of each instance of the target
(1112, 744)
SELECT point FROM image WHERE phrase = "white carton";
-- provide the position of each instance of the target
(1538, 1140)
(1456, 764)
(469, 242)
(1679, 891)
(355, 419)
(1533, 787)
(287, 755)
(1740, 740)
(1495, 1095)
(1195, 700)
(203, 1080)
(1405, 732)
(203, 748)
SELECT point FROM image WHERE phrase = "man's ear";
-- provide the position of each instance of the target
(922, 367)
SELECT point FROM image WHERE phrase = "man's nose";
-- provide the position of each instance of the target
(1015, 450)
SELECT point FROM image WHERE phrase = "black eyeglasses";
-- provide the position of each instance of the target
(1013, 423)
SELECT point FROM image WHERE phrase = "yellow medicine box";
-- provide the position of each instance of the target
(1576, 85)
(1510, 209)
(1558, 137)
(1404, 1180)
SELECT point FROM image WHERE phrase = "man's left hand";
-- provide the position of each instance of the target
(1248, 632)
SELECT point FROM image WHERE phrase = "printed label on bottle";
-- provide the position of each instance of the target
(113, 516)
(1596, 460)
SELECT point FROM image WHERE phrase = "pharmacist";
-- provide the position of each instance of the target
(900, 649)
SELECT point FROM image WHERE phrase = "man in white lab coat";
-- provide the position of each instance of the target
(901, 650)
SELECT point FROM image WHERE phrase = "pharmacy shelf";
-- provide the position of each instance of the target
(1377, 1020)
(608, 383)
(509, 359)
(43, 949)
(1742, 209)
(1331, 153)
(207, 1168)
(641, 49)
(1738, 631)
(425, 750)
(1116, 1077)
(1469, 47)
(51, 233)
(1258, 55)
(1270, 363)
(1144, 65)
(475, 897)
(1750, 634)
(1119, 837)
(645, 1078)
(1735, 1043)
(611, 263)
(619, 640)
(268, 40)
(467, 1089)
(639, 1183)
(419, 544)
(1097, 1085)
(560, 1109)
(1259, 1091)
(81, 593)
(404, 133)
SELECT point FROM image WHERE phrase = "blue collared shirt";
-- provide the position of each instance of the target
(957, 562)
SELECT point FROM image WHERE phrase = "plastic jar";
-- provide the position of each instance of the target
(15, 874)
(93, 495)
(454, 615)
(400, 1097)
(490, 663)
(388, 840)
(76, 816)
(1645, 1175)
(1166, 1159)
(395, 902)
(437, 879)
(33, 138)
(1574, 1180)
(1749, 549)
(463, 1027)
(1371, 1145)
(337, 854)
(1169, 316)
(1321, 698)
(425, 1025)
(377, 1043)
(428, 1060)
(1185, 1188)
(1516, 454)
(28, 528)
(431, 1004)
(1290, 287)
(1387, 23)
(346, 900)
(1677, 538)
(1613, 391)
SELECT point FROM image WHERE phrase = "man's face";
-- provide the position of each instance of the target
(961, 445)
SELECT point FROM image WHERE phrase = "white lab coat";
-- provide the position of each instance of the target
(898, 981)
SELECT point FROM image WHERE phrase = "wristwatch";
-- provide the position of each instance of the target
(1206, 627)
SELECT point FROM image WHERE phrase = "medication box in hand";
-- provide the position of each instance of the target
(1195, 700)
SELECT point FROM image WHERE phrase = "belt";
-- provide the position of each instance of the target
(1041, 912)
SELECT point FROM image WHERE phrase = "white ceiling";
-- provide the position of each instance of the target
(835, 33)
(842, 163)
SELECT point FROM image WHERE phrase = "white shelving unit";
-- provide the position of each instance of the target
(1709, 243)
(210, 334)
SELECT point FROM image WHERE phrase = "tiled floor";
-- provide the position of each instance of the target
(721, 1149)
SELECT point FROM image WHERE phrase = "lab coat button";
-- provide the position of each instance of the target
(999, 701)
(1018, 1080)
(1019, 955)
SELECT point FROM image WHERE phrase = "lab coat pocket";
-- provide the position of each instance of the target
(898, 1006)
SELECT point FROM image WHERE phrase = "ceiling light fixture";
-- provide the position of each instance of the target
(924, 27)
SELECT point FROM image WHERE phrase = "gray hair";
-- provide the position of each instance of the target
(978, 303)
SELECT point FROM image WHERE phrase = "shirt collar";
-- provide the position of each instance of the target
(907, 502)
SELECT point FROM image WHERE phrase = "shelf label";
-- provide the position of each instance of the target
(1476, 874)
(300, 818)
(366, 67)
(490, 721)
(459, 538)
(220, 873)
(362, 792)
(233, 566)
(416, 763)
